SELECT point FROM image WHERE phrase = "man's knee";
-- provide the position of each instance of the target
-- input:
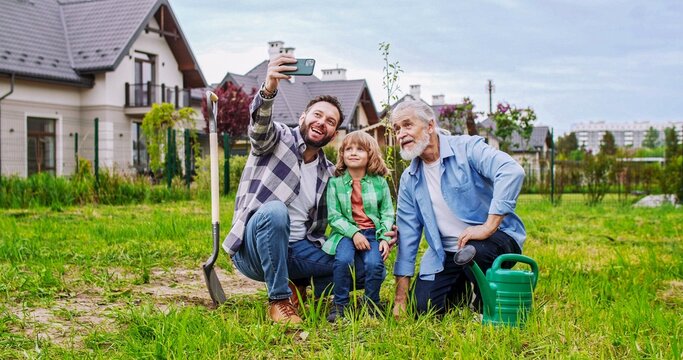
(273, 214)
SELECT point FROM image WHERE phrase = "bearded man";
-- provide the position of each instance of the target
(280, 215)
(457, 190)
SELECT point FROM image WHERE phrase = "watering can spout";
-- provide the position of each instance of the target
(486, 289)
(464, 257)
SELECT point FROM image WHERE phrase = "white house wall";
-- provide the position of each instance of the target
(76, 108)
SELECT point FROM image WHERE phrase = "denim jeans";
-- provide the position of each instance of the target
(346, 260)
(450, 287)
(267, 255)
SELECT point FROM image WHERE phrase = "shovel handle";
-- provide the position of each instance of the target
(518, 258)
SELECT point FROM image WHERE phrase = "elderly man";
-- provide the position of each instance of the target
(457, 190)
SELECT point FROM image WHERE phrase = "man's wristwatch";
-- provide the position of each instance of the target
(265, 94)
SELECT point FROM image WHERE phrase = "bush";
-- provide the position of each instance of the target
(202, 182)
(114, 188)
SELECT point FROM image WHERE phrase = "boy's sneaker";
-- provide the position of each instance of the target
(336, 313)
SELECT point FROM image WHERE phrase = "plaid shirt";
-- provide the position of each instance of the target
(273, 172)
(376, 204)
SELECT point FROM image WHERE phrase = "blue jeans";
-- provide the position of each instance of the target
(267, 255)
(450, 287)
(345, 261)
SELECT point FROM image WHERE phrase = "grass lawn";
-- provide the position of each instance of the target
(125, 282)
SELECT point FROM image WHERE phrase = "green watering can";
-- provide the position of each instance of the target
(507, 294)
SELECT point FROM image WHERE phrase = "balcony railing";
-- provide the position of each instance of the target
(146, 94)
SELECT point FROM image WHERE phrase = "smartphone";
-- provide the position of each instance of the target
(304, 67)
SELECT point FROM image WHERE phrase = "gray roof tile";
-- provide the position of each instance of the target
(99, 30)
(65, 40)
(294, 96)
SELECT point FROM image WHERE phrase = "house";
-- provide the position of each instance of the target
(532, 154)
(65, 63)
(293, 95)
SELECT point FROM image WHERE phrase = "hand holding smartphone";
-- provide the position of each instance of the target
(304, 67)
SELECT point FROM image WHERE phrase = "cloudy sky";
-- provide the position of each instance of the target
(571, 61)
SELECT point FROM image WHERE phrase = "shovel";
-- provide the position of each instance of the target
(212, 283)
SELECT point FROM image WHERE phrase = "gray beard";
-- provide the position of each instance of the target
(420, 146)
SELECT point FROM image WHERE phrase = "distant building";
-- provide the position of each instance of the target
(589, 135)
(293, 95)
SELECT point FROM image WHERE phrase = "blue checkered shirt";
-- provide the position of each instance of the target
(273, 172)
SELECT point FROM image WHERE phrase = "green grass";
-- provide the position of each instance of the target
(611, 286)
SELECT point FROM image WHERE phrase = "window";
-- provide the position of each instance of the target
(144, 79)
(140, 155)
(41, 148)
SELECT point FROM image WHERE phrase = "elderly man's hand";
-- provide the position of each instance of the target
(393, 235)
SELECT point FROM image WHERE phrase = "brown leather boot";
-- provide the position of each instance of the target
(298, 295)
(282, 311)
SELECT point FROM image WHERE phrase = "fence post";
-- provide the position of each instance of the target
(76, 150)
(552, 166)
(226, 165)
(188, 160)
(97, 154)
(169, 159)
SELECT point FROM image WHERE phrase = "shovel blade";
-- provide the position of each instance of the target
(213, 284)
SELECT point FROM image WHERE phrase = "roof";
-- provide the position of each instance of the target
(67, 40)
(539, 136)
(294, 96)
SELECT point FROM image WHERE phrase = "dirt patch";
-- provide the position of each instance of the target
(76, 314)
(672, 293)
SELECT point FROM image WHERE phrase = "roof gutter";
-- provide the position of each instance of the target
(11, 90)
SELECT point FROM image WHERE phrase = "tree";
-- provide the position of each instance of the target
(671, 144)
(154, 126)
(511, 119)
(608, 145)
(460, 116)
(233, 110)
(651, 139)
(566, 144)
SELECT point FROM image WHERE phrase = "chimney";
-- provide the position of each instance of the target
(334, 74)
(274, 48)
(438, 100)
(415, 91)
(288, 50)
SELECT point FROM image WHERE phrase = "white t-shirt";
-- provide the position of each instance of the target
(449, 225)
(302, 204)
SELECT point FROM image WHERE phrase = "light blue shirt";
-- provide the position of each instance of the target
(476, 180)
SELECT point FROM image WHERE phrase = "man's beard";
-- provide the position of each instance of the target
(418, 148)
(303, 129)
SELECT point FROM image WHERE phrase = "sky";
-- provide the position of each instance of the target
(570, 61)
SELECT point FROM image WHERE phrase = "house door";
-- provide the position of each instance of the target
(144, 79)
(140, 155)
(41, 147)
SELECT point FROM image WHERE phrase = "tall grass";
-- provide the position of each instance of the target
(610, 286)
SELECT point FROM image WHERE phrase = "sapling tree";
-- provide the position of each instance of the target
(233, 110)
(155, 124)
(509, 120)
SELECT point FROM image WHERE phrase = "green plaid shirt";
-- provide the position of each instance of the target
(376, 203)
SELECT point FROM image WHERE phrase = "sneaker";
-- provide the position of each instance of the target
(282, 311)
(298, 295)
(336, 313)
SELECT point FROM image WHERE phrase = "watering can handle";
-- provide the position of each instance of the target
(519, 258)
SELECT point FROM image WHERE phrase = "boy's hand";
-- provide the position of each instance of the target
(384, 249)
(360, 242)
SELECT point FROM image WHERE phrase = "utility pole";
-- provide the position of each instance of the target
(491, 88)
